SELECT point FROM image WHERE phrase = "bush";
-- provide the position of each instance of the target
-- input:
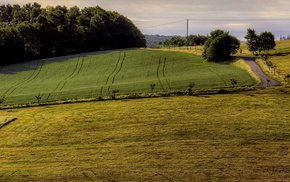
(220, 46)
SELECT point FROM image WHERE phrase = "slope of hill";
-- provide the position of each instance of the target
(101, 74)
(279, 58)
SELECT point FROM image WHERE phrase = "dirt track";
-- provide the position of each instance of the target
(265, 80)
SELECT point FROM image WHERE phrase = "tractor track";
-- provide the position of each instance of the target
(111, 74)
(74, 73)
(158, 77)
(107, 80)
(30, 78)
(120, 68)
(148, 72)
(101, 90)
(163, 71)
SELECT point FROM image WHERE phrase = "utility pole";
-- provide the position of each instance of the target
(187, 33)
(187, 28)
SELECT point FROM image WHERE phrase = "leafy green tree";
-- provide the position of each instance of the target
(260, 44)
(6, 14)
(219, 46)
(33, 11)
(28, 36)
(19, 15)
(29, 31)
(217, 33)
(177, 41)
(252, 41)
(73, 14)
(267, 42)
(10, 46)
(195, 40)
(167, 43)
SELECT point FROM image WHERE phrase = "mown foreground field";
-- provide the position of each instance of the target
(230, 137)
(99, 74)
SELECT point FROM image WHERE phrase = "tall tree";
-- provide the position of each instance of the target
(267, 42)
(220, 46)
(260, 44)
(28, 36)
(6, 14)
(34, 32)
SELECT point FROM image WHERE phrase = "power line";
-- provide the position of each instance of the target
(215, 19)
(244, 19)
(169, 23)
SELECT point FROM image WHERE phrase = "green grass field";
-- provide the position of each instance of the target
(221, 137)
(99, 74)
(229, 137)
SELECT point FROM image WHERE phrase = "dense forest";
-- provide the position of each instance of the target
(31, 32)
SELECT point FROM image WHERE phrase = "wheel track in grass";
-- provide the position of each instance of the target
(101, 90)
(38, 123)
(30, 78)
(148, 72)
(110, 75)
(163, 70)
(124, 70)
(79, 70)
(107, 80)
(74, 73)
(158, 77)
(120, 68)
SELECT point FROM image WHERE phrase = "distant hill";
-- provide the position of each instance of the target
(152, 40)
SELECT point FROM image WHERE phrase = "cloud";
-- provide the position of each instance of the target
(169, 16)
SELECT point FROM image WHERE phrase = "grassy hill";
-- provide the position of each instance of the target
(99, 74)
(222, 137)
(279, 57)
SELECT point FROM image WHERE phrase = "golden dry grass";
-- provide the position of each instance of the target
(279, 57)
(196, 50)
(230, 137)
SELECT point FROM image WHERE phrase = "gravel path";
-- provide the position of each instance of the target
(265, 80)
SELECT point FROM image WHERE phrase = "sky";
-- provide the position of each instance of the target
(170, 17)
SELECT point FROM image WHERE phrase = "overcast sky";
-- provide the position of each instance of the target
(169, 17)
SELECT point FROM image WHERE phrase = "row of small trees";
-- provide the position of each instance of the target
(260, 44)
(177, 41)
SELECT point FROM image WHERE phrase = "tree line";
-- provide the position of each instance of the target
(178, 41)
(219, 45)
(30, 32)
